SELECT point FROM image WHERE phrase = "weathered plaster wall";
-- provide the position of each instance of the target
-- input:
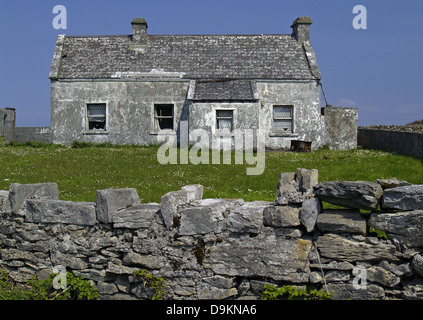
(202, 115)
(223, 248)
(130, 107)
(308, 122)
(341, 127)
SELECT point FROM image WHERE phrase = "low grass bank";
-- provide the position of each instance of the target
(82, 170)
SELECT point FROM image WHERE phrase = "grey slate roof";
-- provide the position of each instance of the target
(225, 90)
(184, 56)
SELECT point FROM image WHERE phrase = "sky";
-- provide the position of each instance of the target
(377, 69)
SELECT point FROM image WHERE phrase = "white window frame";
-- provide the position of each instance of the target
(224, 118)
(88, 117)
(156, 117)
(283, 119)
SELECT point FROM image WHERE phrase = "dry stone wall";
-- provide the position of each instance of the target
(407, 142)
(223, 248)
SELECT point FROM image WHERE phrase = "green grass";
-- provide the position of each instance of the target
(82, 170)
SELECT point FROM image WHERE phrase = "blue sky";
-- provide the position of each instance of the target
(378, 70)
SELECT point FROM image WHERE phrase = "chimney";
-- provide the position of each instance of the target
(301, 29)
(139, 32)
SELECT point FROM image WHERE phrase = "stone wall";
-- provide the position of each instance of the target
(402, 142)
(27, 134)
(223, 248)
(341, 127)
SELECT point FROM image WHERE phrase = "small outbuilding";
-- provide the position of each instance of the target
(7, 119)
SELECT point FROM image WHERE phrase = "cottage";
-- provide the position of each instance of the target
(135, 89)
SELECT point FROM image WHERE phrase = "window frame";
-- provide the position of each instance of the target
(224, 118)
(157, 118)
(283, 119)
(88, 117)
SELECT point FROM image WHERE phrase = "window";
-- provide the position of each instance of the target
(163, 117)
(96, 115)
(224, 120)
(282, 118)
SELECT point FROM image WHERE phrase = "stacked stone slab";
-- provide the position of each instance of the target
(223, 248)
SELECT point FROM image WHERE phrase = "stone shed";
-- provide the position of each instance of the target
(7, 119)
(135, 89)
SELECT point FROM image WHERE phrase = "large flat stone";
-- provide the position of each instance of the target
(392, 183)
(58, 211)
(199, 220)
(351, 194)
(207, 292)
(342, 248)
(278, 259)
(111, 200)
(147, 261)
(281, 216)
(67, 260)
(403, 198)
(135, 217)
(218, 205)
(404, 226)
(339, 221)
(18, 193)
(347, 291)
(384, 277)
(247, 218)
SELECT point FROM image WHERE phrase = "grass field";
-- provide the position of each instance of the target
(79, 172)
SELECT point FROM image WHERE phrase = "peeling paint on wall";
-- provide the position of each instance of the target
(130, 111)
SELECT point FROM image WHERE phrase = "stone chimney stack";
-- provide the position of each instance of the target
(139, 32)
(301, 29)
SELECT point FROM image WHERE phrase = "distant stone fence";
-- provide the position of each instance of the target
(223, 248)
(402, 142)
(26, 134)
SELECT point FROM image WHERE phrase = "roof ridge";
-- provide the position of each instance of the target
(224, 34)
(259, 56)
(99, 36)
(181, 35)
